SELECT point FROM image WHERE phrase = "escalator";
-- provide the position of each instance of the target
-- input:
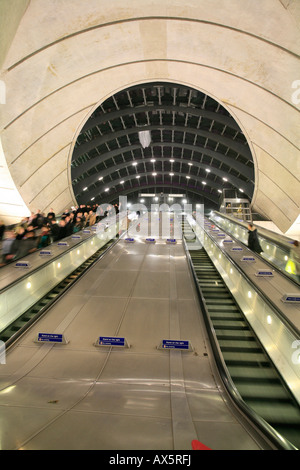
(276, 247)
(16, 328)
(252, 372)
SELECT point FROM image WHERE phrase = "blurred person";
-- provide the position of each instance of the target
(54, 230)
(44, 238)
(2, 229)
(62, 233)
(253, 242)
(78, 225)
(27, 245)
(8, 247)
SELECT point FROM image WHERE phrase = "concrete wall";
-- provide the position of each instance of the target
(66, 59)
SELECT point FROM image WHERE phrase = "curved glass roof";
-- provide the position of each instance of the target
(161, 138)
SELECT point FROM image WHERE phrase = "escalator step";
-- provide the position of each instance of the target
(230, 324)
(244, 357)
(235, 335)
(216, 301)
(276, 413)
(240, 372)
(239, 346)
(223, 309)
(215, 292)
(225, 316)
(259, 392)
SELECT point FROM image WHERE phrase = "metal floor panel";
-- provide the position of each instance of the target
(78, 396)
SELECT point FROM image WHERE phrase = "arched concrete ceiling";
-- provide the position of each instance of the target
(66, 60)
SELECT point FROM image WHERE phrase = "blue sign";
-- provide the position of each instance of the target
(86, 231)
(45, 252)
(62, 244)
(171, 240)
(221, 234)
(291, 298)
(129, 240)
(248, 258)
(150, 240)
(175, 344)
(237, 248)
(111, 341)
(76, 236)
(50, 337)
(264, 272)
(227, 241)
(22, 264)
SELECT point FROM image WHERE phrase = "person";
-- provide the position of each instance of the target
(54, 230)
(293, 264)
(20, 232)
(51, 214)
(44, 238)
(27, 245)
(91, 219)
(78, 225)
(2, 229)
(68, 228)
(8, 247)
(253, 242)
(62, 229)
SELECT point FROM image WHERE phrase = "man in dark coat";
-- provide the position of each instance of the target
(253, 242)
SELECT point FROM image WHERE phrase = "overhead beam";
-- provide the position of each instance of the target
(87, 146)
(245, 170)
(93, 179)
(197, 189)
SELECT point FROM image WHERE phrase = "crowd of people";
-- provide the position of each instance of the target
(40, 230)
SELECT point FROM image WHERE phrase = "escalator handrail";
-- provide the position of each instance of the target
(49, 261)
(49, 304)
(268, 431)
(281, 240)
(291, 327)
(265, 260)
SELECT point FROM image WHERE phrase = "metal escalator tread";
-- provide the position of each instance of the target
(255, 377)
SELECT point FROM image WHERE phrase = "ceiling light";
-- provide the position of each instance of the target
(138, 176)
(190, 164)
(134, 164)
(203, 182)
(106, 189)
(153, 160)
(225, 179)
(154, 174)
(219, 191)
(241, 190)
(188, 177)
(101, 178)
(208, 170)
(92, 198)
(145, 138)
(171, 174)
(84, 189)
(121, 182)
(172, 161)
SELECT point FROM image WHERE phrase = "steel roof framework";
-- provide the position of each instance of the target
(196, 147)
